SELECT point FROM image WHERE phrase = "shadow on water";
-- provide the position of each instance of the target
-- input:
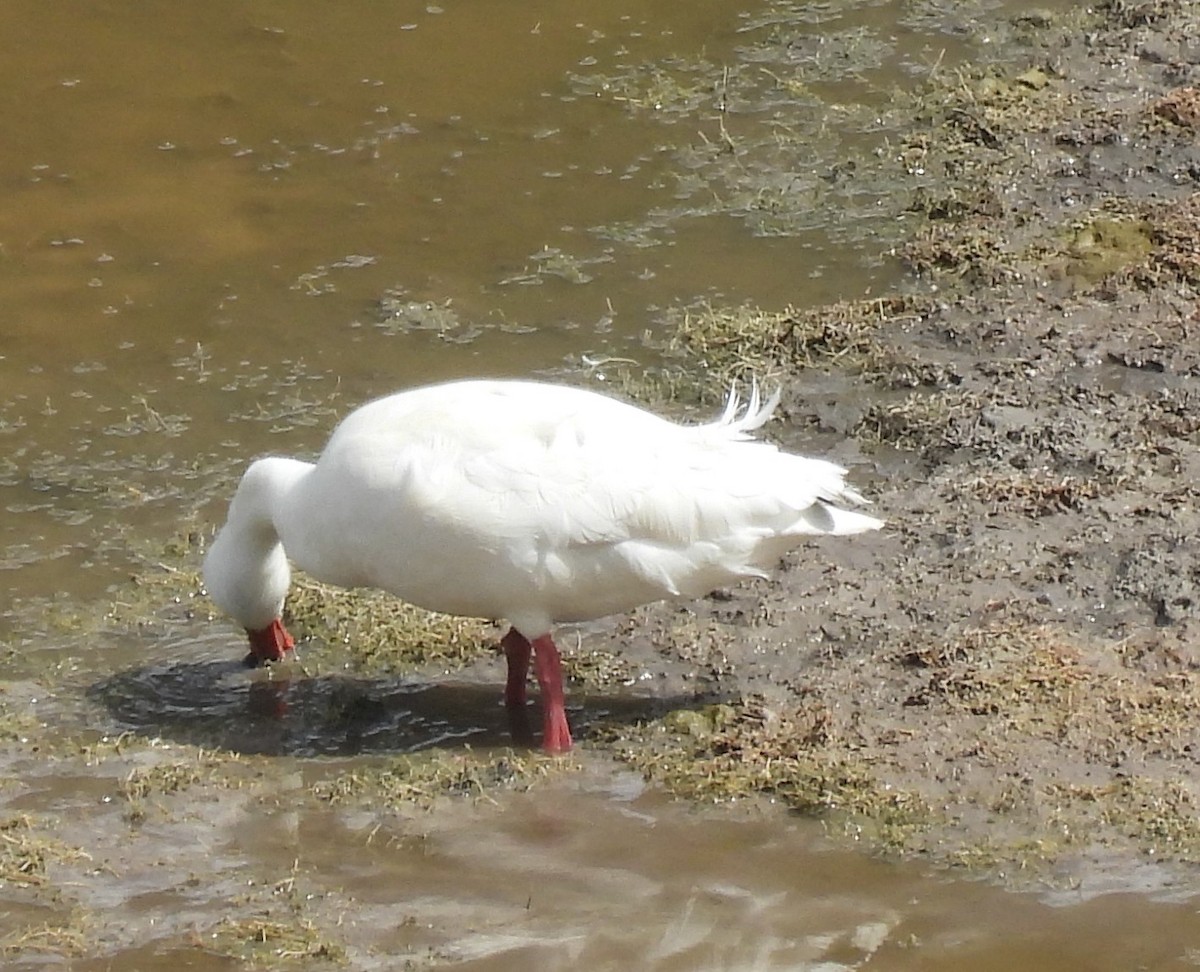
(218, 704)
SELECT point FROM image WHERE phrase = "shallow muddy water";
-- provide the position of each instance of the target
(205, 208)
(228, 223)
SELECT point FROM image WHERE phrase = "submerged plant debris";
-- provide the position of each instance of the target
(27, 850)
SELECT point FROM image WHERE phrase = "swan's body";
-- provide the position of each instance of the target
(530, 502)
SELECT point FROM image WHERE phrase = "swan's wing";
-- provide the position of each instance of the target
(566, 482)
(674, 506)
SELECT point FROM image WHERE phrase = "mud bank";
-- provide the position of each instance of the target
(1007, 677)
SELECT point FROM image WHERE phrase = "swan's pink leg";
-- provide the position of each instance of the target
(516, 650)
(556, 734)
(269, 644)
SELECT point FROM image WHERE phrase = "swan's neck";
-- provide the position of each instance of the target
(246, 570)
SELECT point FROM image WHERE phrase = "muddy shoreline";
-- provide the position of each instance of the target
(1007, 679)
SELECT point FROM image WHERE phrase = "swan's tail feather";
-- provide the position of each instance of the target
(822, 511)
(757, 412)
(821, 519)
(847, 494)
(814, 489)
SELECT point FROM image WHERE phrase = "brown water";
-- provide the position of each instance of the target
(204, 204)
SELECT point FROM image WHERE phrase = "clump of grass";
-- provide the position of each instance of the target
(1011, 690)
(1030, 493)
(703, 644)
(421, 778)
(16, 725)
(1161, 816)
(730, 752)
(1037, 681)
(1174, 231)
(285, 929)
(383, 634)
(552, 263)
(597, 667)
(1003, 855)
(923, 422)
(157, 778)
(65, 940)
(163, 779)
(1027, 676)
(145, 786)
(966, 249)
(663, 387)
(1180, 107)
(265, 942)
(26, 852)
(401, 314)
(742, 343)
(675, 89)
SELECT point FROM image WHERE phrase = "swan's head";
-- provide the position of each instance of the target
(246, 571)
(251, 594)
(247, 577)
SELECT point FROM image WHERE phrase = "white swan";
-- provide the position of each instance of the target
(535, 503)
